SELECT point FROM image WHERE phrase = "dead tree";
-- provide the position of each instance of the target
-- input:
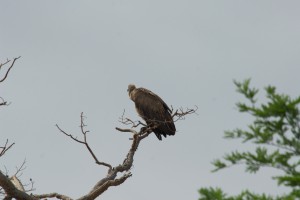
(115, 176)
(11, 187)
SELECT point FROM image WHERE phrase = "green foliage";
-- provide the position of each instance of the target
(218, 194)
(275, 131)
(212, 194)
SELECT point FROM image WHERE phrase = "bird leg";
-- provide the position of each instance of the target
(149, 128)
(145, 129)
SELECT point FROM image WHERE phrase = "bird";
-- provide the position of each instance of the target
(153, 110)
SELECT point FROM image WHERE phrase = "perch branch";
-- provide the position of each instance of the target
(111, 178)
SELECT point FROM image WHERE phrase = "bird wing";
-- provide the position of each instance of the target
(155, 98)
(150, 106)
(153, 109)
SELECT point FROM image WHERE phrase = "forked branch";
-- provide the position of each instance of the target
(111, 179)
(127, 121)
(180, 113)
(5, 148)
(115, 175)
(84, 141)
(9, 68)
(2, 101)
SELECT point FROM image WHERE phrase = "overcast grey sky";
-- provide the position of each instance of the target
(79, 56)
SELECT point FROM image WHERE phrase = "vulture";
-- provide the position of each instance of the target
(153, 110)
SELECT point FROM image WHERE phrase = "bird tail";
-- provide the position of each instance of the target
(164, 129)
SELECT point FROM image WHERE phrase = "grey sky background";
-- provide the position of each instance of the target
(79, 56)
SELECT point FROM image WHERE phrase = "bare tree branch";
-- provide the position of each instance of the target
(128, 121)
(99, 189)
(11, 190)
(21, 168)
(17, 183)
(3, 102)
(115, 175)
(31, 184)
(84, 142)
(12, 64)
(18, 186)
(127, 130)
(111, 178)
(5, 148)
(16, 179)
(180, 113)
(52, 195)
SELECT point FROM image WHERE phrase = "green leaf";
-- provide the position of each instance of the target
(275, 133)
(219, 165)
(211, 194)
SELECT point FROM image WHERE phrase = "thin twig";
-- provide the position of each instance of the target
(5, 76)
(31, 186)
(5, 148)
(181, 113)
(127, 121)
(3, 102)
(84, 142)
(2, 64)
(69, 135)
(21, 168)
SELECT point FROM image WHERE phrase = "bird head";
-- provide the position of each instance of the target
(131, 87)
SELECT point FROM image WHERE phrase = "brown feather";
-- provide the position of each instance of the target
(153, 110)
